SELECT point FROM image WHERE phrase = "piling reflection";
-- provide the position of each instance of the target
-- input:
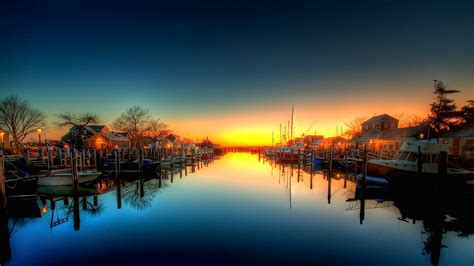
(297, 188)
(66, 203)
(440, 211)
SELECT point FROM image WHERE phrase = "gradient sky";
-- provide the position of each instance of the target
(231, 70)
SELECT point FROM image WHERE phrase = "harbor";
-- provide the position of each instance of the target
(236, 132)
(265, 207)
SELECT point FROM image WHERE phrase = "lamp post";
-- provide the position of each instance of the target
(39, 130)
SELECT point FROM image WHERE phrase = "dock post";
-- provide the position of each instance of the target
(442, 170)
(140, 162)
(140, 167)
(60, 156)
(117, 179)
(5, 248)
(420, 161)
(363, 187)
(94, 151)
(3, 191)
(84, 203)
(26, 154)
(75, 177)
(330, 160)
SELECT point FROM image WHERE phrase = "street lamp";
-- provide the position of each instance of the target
(39, 130)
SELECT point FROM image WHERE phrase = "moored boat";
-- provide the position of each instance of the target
(405, 163)
(65, 178)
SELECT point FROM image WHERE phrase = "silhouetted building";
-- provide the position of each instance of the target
(380, 122)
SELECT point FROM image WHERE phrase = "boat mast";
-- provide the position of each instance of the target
(273, 139)
(292, 114)
(280, 133)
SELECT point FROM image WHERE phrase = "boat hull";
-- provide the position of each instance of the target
(401, 175)
(23, 187)
(66, 179)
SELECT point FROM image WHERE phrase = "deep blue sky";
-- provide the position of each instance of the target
(187, 59)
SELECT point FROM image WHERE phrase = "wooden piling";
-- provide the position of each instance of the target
(117, 179)
(3, 191)
(84, 203)
(442, 170)
(420, 161)
(5, 248)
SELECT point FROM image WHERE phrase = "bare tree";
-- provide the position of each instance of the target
(79, 122)
(135, 121)
(412, 121)
(19, 118)
(354, 127)
(158, 129)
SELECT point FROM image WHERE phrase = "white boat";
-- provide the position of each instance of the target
(65, 178)
(405, 162)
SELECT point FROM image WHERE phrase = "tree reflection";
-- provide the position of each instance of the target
(133, 196)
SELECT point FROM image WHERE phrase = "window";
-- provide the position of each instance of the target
(403, 155)
(412, 157)
(469, 145)
(426, 158)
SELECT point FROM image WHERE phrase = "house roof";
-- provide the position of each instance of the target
(393, 134)
(465, 132)
(113, 136)
(92, 129)
(96, 128)
(379, 118)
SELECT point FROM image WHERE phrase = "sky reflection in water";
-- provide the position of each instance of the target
(236, 210)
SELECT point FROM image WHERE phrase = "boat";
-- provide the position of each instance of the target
(288, 155)
(21, 180)
(65, 178)
(128, 167)
(404, 163)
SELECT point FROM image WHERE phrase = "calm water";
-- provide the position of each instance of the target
(239, 210)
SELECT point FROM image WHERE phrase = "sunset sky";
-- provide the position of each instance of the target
(231, 70)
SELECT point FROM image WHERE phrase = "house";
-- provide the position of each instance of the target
(388, 141)
(88, 132)
(4, 139)
(461, 142)
(313, 140)
(102, 140)
(380, 122)
(338, 142)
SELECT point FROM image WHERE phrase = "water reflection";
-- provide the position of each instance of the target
(247, 211)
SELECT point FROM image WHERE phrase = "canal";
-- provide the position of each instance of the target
(240, 210)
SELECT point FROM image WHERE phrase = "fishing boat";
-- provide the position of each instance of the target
(405, 164)
(288, 155)
(65, 178)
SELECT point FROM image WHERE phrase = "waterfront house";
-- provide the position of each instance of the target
(388, 141)
(88, 132)
(4, 139)
(460, 142)
(313, 140)
(102, 140)
(338, 142)
(380, 122)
